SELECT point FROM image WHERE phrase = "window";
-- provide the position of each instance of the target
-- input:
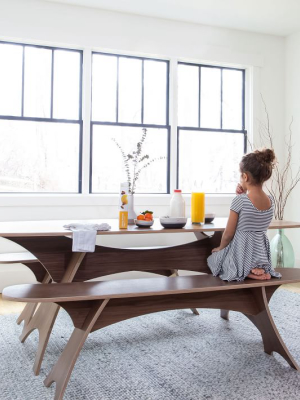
(211, 127)
(41, 123)
(40, 119)
(128, 94)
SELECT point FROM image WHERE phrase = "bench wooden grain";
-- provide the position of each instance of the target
(94, 305)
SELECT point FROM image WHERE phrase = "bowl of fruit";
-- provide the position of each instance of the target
(145, 219)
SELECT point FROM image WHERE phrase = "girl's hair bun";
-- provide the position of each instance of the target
(260, 164)
(265, 155)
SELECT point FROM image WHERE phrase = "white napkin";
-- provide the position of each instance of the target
(84, 235)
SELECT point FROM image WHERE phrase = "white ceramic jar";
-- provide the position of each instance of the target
(177, 205)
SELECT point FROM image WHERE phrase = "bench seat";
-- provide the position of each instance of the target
(79, 291)
(13, 258)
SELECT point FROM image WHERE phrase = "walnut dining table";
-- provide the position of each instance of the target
(51, 244)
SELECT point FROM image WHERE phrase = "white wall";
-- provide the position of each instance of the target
(84, 28)
(293, 110)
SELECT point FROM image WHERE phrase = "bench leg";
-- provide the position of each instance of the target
(27, 313)
(265, 324)
(175, 273)
(62, 370)
(224, 314)
(46, 314)
(43, 320)
(30, 308)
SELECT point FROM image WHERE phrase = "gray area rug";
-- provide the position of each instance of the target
(171, 355)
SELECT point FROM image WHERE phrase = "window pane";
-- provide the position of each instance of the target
(210, 113)
(108, 167)
(155, 90)
(232, 99)
(66, 84)
(39, 157)
(204, 165)
(130, 90)
(104, 90)
(37, 82)
(188, 95)
(11, 79)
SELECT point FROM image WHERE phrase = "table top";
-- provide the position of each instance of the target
(55, 228)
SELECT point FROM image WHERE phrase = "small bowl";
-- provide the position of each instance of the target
(172, 222)
(209, 218)
(143, 224)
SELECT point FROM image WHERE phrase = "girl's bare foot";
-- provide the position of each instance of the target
(262, 277)
(257, 271)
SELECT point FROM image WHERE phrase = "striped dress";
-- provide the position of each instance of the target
(249, 248)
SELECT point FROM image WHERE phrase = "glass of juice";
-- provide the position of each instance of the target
(198, 207)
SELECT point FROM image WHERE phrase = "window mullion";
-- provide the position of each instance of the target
(243, 102)
(117, 89)
(23, 82)
(86, 105)
(221, 108)
(143, 92)
(199, 99)
(173, 122)
(52, 83)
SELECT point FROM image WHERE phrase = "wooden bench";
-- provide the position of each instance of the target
(39, 272)
(94, 305)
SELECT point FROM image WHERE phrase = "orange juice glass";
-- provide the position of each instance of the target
(198, 208)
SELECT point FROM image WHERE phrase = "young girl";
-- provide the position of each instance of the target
(244, 251)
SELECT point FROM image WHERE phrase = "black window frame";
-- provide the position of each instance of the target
(51, 119)
(242, 131)
(134, 125)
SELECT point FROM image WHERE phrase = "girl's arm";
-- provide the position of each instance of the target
(229, 231)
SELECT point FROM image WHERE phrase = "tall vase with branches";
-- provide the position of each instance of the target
(134, 163)
(284, 180)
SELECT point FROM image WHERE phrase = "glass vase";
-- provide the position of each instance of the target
(282, 251)
(131, 212)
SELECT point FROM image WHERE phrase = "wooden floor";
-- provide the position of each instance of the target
(10, 307)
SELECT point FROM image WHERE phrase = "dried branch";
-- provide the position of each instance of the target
(134, 161)
(126, 163)
(283, 180)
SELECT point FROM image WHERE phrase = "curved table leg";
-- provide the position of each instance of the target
(265, 324)
(45, 316)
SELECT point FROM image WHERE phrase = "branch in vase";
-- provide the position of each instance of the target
(283, 181)
(125, 160)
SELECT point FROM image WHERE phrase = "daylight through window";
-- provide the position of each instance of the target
(40, 119)
(211, 127)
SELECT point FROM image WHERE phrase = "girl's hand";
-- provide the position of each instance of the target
(216, 249)
(239, 189)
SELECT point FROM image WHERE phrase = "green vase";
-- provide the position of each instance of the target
(282, 251)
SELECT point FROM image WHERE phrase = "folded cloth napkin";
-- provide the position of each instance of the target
(84, 235)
